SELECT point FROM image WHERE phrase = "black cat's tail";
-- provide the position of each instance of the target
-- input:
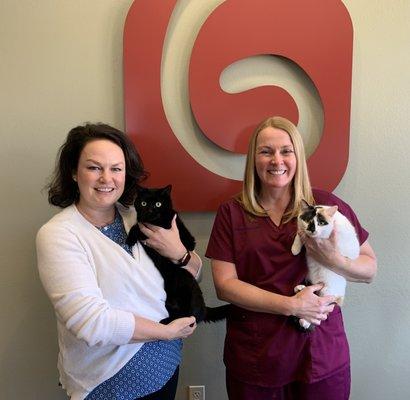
(214, 314)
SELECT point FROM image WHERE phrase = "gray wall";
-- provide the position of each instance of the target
(60, 65)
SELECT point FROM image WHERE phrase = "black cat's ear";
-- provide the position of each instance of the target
(167, 189)
(140, 190)
(137, 193)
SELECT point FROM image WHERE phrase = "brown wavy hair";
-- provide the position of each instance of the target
(63, 190)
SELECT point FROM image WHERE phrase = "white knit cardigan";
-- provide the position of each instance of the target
(96, 287)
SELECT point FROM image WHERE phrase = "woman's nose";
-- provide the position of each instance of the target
(105, 176)
(276, 158)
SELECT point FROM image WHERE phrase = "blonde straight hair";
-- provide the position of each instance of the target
(301, 188)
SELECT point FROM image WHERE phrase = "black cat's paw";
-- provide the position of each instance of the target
(135, 235)
(130, 241)
(295, 321)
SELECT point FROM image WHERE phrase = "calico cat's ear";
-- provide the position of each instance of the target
(330, 211)
(304, 205)
(167, 190)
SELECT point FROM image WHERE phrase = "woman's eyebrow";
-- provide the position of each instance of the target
(96, 162)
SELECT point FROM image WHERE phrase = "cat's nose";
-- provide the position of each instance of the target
(311, 227)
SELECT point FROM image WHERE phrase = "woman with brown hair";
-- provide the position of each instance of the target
(107, 297)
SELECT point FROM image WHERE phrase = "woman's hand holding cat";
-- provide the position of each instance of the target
(324, 251)
(181, 328)
(147, 330)
(165, 241)
(312, 308)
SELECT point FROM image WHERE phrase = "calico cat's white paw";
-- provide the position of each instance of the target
(297, 245)
(298, 288)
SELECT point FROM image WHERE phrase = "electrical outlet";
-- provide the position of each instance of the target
(196, 392)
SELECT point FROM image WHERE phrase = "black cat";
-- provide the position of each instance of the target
(184, 296)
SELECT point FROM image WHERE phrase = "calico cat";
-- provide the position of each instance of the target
(318, 222)
(184, 296)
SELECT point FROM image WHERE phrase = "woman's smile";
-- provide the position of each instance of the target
(100, 175)
(275, 159)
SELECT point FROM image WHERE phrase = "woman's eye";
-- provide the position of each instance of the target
(117, 169)
(93, 168)
(158, 204)
(287, 151)
(143, 203)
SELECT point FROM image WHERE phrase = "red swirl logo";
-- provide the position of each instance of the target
(312, 38)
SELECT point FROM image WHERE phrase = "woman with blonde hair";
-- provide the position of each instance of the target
(266, 357)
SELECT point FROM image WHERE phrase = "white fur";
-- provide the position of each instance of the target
(348, 246)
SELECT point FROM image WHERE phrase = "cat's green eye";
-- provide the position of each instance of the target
(143, 203)
(158, 204)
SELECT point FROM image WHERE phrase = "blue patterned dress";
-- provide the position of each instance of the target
(152, 366)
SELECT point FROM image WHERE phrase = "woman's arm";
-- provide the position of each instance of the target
(72, 287)
(362, 269)
(194, 266)
(147, 330)
(71, 284)
(168, 243)
(304, 304)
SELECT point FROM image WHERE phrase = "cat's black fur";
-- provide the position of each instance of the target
(184, 296)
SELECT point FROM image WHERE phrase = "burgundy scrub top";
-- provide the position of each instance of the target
(266, 349)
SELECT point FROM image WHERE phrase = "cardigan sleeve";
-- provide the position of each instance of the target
(71, 284)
